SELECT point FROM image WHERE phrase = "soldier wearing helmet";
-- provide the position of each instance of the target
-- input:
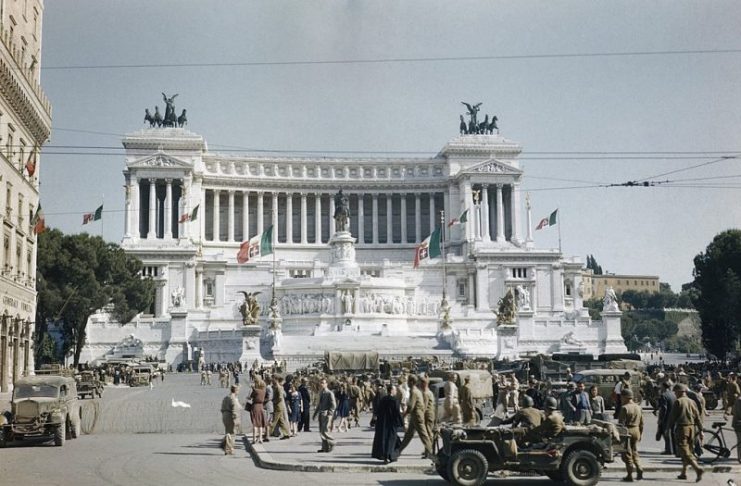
(631, 417)
(527, 417)
(551, 426)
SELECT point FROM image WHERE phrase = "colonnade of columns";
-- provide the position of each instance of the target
(15, 350)
(308, 217)
(495, 212)
(153, 207)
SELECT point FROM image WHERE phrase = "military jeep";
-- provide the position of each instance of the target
(88, 385)
(42, 406)
(576, 456)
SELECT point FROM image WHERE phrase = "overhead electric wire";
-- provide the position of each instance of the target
(715, 161)
(396, 60)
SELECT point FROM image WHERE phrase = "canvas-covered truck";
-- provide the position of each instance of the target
(351, 361)
(480, 382)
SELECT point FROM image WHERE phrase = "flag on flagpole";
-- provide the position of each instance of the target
(31, 163)
(257, 246)
(463, 218)
(429, 248)
(38, 221)
(94, 216)
(549, 221)
(189, 216)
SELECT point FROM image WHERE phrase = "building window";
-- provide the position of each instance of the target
(299, 273)
(519, 272)
(567, 289)
(20, 210)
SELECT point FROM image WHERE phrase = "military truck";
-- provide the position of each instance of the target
(350, 361)
(480, 383)
(88, 385)
(576, 456)
(606, 379)
(141, 375)
(42, 406)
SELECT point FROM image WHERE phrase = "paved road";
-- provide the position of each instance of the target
(139, 438)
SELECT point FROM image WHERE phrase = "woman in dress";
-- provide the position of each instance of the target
(343, 408)
(295, 409)
(597, 403)
(257, 412)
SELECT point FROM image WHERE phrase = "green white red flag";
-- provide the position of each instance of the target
(549, 221)
(38, 222)
(94, 216)
(463, 218)
(429, 248)
(192, 216)
(256, 247)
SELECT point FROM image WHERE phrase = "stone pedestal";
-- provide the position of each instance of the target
(250, 346)
(178, 350)
(507, 342)
(343, 264)
(613, 338)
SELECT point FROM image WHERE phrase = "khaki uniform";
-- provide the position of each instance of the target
(468, 410)
(685, 419)
(451, 405)
(356, 402)
(551, 426)
(526, 418)
(632, 417)
(430, 412)
(230, 408)
(416, 412)
(279, 411)
(732, 393)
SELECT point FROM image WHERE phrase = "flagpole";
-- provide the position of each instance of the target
(101, 219)
(558, 222)
(444, 306)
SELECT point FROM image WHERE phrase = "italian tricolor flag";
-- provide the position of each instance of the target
(189, 216)
(549, 221)
(256, 246)
(463, 218)
(429, 248)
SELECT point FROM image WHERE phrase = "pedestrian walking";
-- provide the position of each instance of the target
(430, 408)
(736, 424)
(295, 410)
(416, 412)
(257, 410)
(451, 404)
(686, 421)
(468, 409)
(324, 410)
(631, 417)
(665, 406)
(230, 414)
(305, 419)
(280, 411)
(389, 422)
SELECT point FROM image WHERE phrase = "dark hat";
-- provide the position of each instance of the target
(550, 403)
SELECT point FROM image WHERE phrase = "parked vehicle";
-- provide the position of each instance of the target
(88, 385)
(606, 379)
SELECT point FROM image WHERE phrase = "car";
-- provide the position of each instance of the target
(606, 379)
(141, 375)
(88, 385)
(576, 456)
(44, 406)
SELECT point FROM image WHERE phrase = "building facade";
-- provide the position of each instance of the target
(342, 290)
(25, 124)
(621, 283)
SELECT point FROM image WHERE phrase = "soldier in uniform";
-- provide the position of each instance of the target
(468, 409)
(551, 426)
(279, 408)
(528, 417)
(430, 407)
(736, 424)
(416, 412)
(451, 405)
(632, 418)
(355, 401)
(685, 420)
(230, 415)
(325, 410)
(732, 393)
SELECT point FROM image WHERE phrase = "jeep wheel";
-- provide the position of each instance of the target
(581, 468)
(555, 476)
(467, 468)
(59, 435)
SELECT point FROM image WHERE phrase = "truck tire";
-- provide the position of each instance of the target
(75, 427)
(581, 468)
(467, 467)
(59, 434)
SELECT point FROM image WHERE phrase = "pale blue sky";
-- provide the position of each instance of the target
(651, 103)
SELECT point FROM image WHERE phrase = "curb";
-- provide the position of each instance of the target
(264, 460)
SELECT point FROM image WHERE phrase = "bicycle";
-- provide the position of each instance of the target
(716, 445)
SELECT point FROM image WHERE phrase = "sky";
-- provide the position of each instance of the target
(247, 73)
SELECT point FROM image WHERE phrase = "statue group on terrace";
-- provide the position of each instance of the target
(474, 127)
(170, 119)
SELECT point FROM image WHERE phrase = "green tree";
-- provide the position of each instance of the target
(593, 265)
(717, 295)
(79, 274)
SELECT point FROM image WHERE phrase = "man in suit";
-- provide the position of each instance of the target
(325, 410)
(665, 405)
(305, 419)
(230, 415)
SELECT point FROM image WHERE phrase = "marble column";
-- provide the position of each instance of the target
(318, 218)
(467, 200)
(403, 217)
(199, 288)
(361, 220)
(375, 218)
(389, 218)
(432, 212)
(304, 225)
(470, 298)
(332, 222)
(135, 208)
(274, 210)
(217, 217)
(500, 215)
(515, 208)
(417, 219)
(245, 215)
(260, 211)
(289, 217)
(168, 209)
(127, 218)
(485, 214)
(230, 217)
(152, 234)
(449, 215)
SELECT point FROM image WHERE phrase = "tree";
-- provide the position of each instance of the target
(593, 265)
(79, 274)
(717, 292)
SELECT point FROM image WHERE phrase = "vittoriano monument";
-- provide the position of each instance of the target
(405, 256)
(170, 119)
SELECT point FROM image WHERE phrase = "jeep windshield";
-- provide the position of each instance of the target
(31, 391)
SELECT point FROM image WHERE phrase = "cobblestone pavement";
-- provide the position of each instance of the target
(139, 438)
